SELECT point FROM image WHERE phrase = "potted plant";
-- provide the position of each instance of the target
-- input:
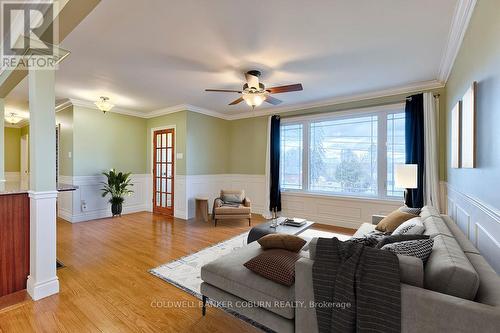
(118, 187)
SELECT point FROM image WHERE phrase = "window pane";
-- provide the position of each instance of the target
(395, 149)
(291, 156)
(343, 156)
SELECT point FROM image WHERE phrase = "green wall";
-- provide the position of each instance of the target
(248, 141)
(179, 120)
(479, 60)
(12, 149)
(64, 118)
(208, 144)
(104, 141)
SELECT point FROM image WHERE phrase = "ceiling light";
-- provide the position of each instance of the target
(254, 99)
(103, 104)
(13, 118)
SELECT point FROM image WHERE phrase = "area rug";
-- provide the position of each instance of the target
(185, 272)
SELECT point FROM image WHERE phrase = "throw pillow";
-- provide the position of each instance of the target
(232, 198)
(399, 238)
(276, 265)
(413, 226)
(420, 248)
(393, 220)
(410, 210)
(282, 241)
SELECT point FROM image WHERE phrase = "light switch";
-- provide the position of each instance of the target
(69, 154)
(180, 156)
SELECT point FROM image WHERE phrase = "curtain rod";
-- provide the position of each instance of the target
(435, 96)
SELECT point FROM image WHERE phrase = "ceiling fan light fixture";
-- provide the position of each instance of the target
(254, 99)
(103, 104)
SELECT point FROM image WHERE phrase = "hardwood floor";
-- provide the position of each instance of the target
(105, 284)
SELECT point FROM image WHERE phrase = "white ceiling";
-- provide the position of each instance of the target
(157, 54)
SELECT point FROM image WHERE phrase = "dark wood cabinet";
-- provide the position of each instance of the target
(14, 242)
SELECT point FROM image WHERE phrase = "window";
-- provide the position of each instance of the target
(395, 149)
(344, 153)
(291, 156)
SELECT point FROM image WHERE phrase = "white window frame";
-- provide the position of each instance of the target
(381, 112)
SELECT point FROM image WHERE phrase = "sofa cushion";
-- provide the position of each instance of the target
(277, 265)
(229, 274)
(434, 225)
(282, 241)
(428, 211)
(393, 220)
(228, 210)
(489, 285)
(413, 226)
(449, 271)
(462, 240)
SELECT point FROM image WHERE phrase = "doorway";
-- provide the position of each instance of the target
(163, 171)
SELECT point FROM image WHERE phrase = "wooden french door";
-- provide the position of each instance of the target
(163, 172)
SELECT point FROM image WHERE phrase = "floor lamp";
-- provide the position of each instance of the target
(405, 176)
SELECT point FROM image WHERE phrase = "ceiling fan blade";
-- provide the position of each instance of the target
(272, 100)
(252, 81)
(223, 90)
(284, 89)
(239, 100)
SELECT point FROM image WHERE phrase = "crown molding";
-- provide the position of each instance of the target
(459, 24)
(410, 88)
(91, 105)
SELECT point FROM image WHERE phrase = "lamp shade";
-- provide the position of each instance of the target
(405, 175)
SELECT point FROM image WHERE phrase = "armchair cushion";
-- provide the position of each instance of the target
(231, 196)
(229, 210)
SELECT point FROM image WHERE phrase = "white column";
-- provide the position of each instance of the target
(42, 281)
(2, 140)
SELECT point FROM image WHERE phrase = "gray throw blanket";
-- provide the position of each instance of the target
(356, 288)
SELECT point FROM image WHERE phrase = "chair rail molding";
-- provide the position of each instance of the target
(86, 203)
(477, 220)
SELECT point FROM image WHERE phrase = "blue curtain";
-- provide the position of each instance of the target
(414, 134)
(275, 193)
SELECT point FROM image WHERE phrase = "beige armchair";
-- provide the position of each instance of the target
(232, 205)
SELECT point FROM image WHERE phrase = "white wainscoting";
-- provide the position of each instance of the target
(210, 186)
(479, 222)
(334, 210)
(89, 191)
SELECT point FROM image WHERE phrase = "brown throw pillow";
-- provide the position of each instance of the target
(282, 241)
(276, 265)
(393, 220)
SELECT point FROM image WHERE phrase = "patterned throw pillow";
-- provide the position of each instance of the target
(276, 265)
(282, 241)
(420, 248)
(410, 210)
(399, 238)
(413, 226)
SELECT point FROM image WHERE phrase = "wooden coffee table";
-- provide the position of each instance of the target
(265, 229)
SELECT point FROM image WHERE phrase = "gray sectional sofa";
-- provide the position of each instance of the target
(456, 291)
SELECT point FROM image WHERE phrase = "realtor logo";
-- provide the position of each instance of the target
(29, 32)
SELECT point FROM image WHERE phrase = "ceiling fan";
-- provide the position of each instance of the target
(254, 92)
